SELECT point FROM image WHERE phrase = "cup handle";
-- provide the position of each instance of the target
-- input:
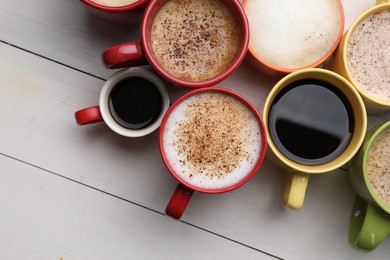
(378, 2)
(179, 201)
(369, 225)
(88, 115)
(124, 55)
(295, 189)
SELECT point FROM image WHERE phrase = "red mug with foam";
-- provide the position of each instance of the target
(208, 40)
(121, 11)
(212, 140)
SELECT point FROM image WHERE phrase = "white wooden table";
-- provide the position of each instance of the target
(72, 192)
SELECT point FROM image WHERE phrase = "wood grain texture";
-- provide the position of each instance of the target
(51, 69)
(47, 217)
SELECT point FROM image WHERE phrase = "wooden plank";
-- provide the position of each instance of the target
(38, 127)
(44, 216)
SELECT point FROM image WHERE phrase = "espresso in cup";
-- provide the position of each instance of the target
(135, 102)
(316, 122)
(286, 36)
(132, 103)
(212, 141)
(378, 167)
(310, 121)
(114, 3)
(368, 55)
(195, 39)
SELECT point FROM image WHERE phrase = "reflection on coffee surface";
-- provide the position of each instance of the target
(368, 55)
(212, 140)
(293, 34)
(135, 103)
(311, 121)
(378, 167)
(195, 39)
(114, 3)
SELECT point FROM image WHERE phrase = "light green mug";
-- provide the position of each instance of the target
(370, 218)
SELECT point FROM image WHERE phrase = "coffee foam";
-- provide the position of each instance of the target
(378, 166)
(195, 39)
(212, 140)
(114, 3)
(293, 34)
(368, 55)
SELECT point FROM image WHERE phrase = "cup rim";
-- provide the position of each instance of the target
(115, 9)
(110, 84)
(377, 131)
(149, 12)
(242, 99)
(357, 22)
(333, 164)
(284, 71)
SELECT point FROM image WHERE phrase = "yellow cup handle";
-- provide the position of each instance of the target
(295, 189)
(378, 2)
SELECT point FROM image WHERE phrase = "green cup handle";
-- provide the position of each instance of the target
(369, 225)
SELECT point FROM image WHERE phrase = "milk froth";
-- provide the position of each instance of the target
(195, 39)
(378, 166)
(212, 140)
(114, 3)
(368, 55)
(293, 34)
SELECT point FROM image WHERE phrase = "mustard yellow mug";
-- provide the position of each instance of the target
(315, 122)
(363, 57)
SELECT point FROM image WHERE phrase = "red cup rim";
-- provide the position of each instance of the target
(284, 71)
(195, 84)
(115, 9)
(244, 101)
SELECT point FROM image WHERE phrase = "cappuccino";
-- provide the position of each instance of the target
(114, 3)
(368, 55)
(378, 167)
(212, 140)
(195, 39)
(293, 34)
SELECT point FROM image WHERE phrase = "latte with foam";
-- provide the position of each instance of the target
(378, 167)
(368, 55)
(293, 34)
(114, 3)
(212, 140)
(195, 39)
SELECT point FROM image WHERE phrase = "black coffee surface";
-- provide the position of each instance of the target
(135, 103)
(311, 122)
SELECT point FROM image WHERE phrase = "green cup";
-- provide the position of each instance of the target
(370, 218)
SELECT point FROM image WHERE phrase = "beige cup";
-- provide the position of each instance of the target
(340, 62)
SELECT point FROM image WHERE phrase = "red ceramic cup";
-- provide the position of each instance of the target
(211, 152)
(140, 53)
(126, 14)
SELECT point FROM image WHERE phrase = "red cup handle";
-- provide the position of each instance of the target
(179, 201)
(88, 115)
(124, 55)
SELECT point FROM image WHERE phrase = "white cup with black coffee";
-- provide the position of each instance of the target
(132, 103)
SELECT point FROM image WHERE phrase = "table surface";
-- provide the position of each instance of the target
(73, 192)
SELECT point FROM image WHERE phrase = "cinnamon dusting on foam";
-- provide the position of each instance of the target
(212, 140)
(195, 39)
(378, 166)
(368, 55)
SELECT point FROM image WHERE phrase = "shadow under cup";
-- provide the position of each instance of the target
(212, 140)
(307, 132)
